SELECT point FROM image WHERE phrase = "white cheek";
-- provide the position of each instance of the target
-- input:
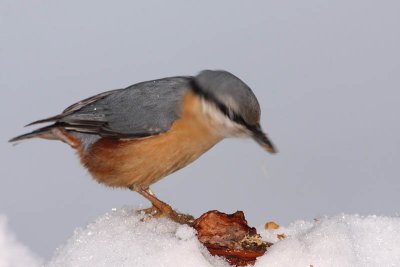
(222, 124)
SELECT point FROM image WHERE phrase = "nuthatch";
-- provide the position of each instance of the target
(135, 136)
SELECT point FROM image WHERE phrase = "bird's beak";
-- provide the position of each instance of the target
(261, 138)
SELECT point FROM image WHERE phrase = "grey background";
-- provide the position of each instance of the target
(327, 75)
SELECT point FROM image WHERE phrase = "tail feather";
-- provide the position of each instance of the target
(44, 132)
(51, 119)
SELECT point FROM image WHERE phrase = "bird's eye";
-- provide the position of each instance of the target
(230, 114)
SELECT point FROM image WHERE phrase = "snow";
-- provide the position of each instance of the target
(12, 253)
(121, 238)
(343, 240)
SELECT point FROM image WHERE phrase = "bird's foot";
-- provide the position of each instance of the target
(181, 218)
(167, 211)
(161, 209)
(149, 211)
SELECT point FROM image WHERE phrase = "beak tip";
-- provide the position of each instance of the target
(261, 138)
(270, 148)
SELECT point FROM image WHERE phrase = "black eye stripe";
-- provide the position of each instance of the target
(223, 108)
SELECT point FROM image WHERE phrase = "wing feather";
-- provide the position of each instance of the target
(140, 110)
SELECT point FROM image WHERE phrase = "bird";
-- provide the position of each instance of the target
(135, 136)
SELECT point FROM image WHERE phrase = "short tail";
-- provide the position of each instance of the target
(44, 132)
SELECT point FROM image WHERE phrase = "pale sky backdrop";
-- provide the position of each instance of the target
(326, 73)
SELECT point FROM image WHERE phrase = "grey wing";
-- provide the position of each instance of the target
(75, 107)
(140, 110)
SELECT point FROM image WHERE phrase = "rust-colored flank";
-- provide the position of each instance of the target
(143, 161)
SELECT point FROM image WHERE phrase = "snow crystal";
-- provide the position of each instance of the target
(185, 232)
(123, 237)
(12, 253)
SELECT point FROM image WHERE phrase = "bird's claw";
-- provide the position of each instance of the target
(168, 212)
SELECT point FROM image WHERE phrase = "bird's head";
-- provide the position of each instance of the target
(232, 104)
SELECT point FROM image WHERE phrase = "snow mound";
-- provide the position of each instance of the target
(121, 238)
(343, 240)
(12, 253)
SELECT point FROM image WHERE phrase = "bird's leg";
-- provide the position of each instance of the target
(152, 210)
(161, 206)
(161, 209)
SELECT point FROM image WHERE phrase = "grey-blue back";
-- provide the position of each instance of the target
(140, 110)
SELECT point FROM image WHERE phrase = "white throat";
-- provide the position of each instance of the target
(221, 123)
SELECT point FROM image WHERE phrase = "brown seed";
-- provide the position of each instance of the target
(281, 236)
(271, 225)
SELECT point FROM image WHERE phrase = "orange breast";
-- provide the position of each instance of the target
(123, 163)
